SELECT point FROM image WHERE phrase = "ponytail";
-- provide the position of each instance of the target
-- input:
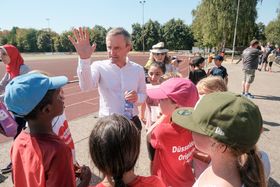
(118, 181)
(251, 169)
(114, 135)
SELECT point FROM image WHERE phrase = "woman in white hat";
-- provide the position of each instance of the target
(159, 54)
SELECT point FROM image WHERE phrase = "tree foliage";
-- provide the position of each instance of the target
(12, 36)
(259, 32)
(62, 43)
(214, 22)
(44, 41)
(26, 40)
(98, 36)
(152, 33)
(272, 31)
(136, 36)
(177, 35)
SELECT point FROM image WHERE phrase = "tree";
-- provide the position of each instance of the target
(26, 40)
(31, 38)
(246, 22)
(272, 30)
(98, 35)
(136, 37)
(214, 22)
(177, 35)
(12, 36)
(4, 37)
(152, 34)
(44, 41)
(57, 44)
(259, 32)
(64, 44)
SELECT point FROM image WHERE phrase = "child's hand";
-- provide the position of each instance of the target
(77, 169)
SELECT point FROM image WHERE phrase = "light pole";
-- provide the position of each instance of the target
(234, 37)
(143, 3)
(48, 20)
(49, 30)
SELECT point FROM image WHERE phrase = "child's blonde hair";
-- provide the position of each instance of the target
(211, 84)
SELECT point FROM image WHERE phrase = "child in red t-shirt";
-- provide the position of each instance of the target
(39, 157)
(173, 145)
(114, 146)
(60, 125)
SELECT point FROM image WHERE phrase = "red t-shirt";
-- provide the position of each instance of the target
(141, 181)
(41, 160)
(173, 153)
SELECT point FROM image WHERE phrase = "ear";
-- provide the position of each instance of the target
(47, 109)
(222, 147)
(129, 47)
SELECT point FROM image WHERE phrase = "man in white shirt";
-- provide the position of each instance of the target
(118, 79)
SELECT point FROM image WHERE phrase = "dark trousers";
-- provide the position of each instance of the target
(137, 122)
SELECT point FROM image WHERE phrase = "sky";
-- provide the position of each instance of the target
(62, 15)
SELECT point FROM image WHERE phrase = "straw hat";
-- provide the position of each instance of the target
(159, 48)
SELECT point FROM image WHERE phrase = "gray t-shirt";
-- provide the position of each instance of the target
(251, 58)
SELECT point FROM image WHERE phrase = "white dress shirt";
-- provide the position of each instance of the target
(112, 82)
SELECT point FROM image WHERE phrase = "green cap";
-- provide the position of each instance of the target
(227, 117)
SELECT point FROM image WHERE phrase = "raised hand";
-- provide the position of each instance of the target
(81, 43)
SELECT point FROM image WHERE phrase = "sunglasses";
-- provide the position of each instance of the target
(158, 54)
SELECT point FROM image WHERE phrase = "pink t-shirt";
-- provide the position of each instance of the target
(41, 160)
(174, 147)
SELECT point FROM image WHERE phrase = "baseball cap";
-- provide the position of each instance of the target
(24, 93)
(180, 90)
(219, 57)
(227, 117)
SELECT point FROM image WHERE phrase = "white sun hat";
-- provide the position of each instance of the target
(159, 48)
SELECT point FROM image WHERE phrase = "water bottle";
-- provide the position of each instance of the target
(128, 109)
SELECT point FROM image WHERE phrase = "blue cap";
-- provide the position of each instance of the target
(24, 93)
(219, 57)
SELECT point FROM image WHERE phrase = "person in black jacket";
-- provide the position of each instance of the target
(198, 73)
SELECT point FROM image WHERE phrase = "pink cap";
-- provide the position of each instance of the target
(181, 90)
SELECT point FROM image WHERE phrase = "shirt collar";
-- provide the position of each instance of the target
(127, 63)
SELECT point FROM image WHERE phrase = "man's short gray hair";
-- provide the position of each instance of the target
(120, 31)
